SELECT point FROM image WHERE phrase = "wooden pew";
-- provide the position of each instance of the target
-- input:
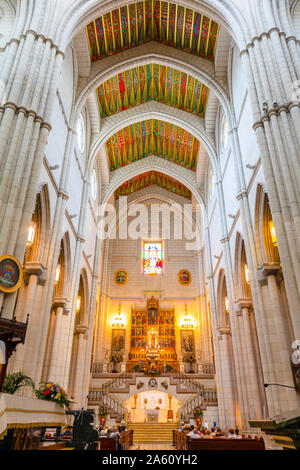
(126, 439)
(107, 443)
(182, 442)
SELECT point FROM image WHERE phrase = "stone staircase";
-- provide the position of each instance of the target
(114, 392)
(153, 432)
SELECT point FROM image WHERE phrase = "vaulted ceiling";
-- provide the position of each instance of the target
(152, 20)
(153, 178)
(152, 137)
(152, 82)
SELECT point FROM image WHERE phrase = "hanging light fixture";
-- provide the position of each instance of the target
(30, 234)
(187, 322)
(273, 233)
(226, 304)
(247, 274)
(118, 321)
(57, 274)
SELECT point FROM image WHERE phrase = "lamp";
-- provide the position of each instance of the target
(273, 233)
(187, 322)
(78, 303)
(57, 274)
(226, 304)
(118, 321)
(247, 274)
(31, 234)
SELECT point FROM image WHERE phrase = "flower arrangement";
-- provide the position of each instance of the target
(198, 412)
(53, 392)
(102, 411)
(152, 372)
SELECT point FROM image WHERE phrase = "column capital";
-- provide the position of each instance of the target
(60, 302)
(244, 303)
(225, 330)
(267, 269)
(80, 329)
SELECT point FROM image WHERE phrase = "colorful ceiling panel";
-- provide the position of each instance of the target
(152, 82)
(152, 20)
(152, 178)
(152, 137)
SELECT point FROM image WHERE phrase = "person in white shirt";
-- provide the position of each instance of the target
(236, 434)
(190, 434)
(195, 435)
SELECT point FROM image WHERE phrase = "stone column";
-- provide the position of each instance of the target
(288, 399)
(59, 306)
(230, 417)
(251, 371)
(80, 365)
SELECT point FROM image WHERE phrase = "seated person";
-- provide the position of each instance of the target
(115, 433)
(213, 431)
(236, 434)
(186, 429)
(208, 435)
(191, 431)
(102, 434)
(194, 434)
(219, 433)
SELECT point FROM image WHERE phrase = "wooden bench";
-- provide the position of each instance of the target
(182, 442)
(108, 443)
(126, 439)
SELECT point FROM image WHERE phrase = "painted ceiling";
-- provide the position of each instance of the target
(152, 20)
(153, 178)
(152, 82)
(152, 137)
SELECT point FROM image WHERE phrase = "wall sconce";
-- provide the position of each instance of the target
(187, 322)
(247, 274)
(30, 235)
(118, 321)
(226, 304)
(273, 233)
(78, 303)
(57, 274)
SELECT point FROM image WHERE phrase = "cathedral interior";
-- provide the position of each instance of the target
(150, 210)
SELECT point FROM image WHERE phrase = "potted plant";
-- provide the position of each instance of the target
(115, 359)
(15, 381)
(53, 392)
(102, 413)
(198, 414)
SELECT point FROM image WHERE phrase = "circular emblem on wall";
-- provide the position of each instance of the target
(11, 274)
(121, 277)
(152, 383)
(184, 277)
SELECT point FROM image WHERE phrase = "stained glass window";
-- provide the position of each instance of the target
(224, 134)
(81, 134)
(152, 258)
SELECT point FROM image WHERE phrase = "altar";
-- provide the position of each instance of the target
(153, 416)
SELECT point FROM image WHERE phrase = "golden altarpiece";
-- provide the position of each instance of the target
(153, 328)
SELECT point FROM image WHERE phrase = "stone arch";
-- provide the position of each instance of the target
(222, 312)
(193, 125)
(148, 199)
(267, 252)
(242, 286)
(62, 286)
(184, 176)
(83, 13)
(40, 223)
